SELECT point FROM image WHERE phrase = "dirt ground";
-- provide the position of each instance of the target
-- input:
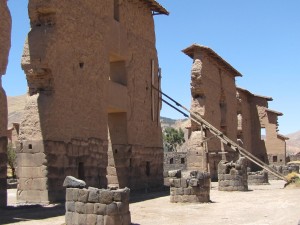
(262, 205)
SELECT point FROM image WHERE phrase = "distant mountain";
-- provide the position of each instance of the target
(293, 144)
(16, 106)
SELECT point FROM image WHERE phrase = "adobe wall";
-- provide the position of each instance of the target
(174, 161)
(250, 109)
(85, 76)
(258, 107)
(276, 146)
(5, 32)
(213, 93)
(244, 118)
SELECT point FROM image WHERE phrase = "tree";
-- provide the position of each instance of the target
(11, 159)
(172, 138)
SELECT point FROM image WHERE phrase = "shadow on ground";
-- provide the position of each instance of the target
(139, 197)
(14, 214)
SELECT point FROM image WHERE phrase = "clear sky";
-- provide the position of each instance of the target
(260, 38)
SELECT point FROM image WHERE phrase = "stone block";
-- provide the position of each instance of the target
(75, 218)
(123, 207)
(125, 194)
(100, 220)
(100, 209)
(179, 191)
(32, 172)
(82, 219)
(69, 194)
(172, 191)
(187, 191)
(112, 209)
(91, 219)
(31, 160)
(89, 208)
(112, 220)
(193, 182)
(126, 218)
(166, 174)
(227, 177)
(185, 198)
(33, 183)
(167, 182)
(68, 218)
(177, 198)
(174, 173)
(171, 181)
(183, 182)
(79, 207)
(177, 183)
(106, 196)
(72, 182)
(172, 199)
(35, 196)
(94, 194)
(83, 195)
(70, 206)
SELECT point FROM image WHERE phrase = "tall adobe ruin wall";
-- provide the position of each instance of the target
(213, 93)
(5, 32)
(88, 114)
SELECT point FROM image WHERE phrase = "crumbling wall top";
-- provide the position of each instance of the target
(211, 53)
(156, 7)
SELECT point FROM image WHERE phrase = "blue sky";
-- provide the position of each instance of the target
(261, 39)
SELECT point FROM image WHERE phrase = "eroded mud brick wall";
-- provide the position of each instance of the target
(5, 32)
(213, 93)
(90, 110)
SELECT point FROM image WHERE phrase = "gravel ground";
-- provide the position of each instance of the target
(268, 204)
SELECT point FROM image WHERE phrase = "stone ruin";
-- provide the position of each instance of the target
(284, 170)
(194, 188)
(239, 114)
(91, 111)
(5, 43)
(258, 178)
(95, 206)
(233, 176)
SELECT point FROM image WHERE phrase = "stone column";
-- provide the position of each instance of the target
(5, 31)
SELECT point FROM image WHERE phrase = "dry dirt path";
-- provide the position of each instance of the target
(270, 204)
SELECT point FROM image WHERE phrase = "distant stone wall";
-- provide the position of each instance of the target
(285, 170)
(233, 176)
(97, 206)
(174, 161)
(195, 188)
(295, 157)
(258, 178)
